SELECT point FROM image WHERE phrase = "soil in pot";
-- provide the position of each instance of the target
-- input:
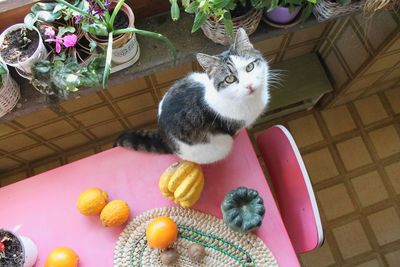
(19, 45)
(121, 22)
(13, 250)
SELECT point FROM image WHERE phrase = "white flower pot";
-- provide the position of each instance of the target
(30, 251)
(40, 52)
(127, 53)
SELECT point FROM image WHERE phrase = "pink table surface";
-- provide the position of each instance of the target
(45, 204)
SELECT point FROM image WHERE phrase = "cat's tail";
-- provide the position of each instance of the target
(144, 140)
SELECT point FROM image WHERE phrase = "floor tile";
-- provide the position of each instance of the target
(351, 239)
(305, 131)
(13, 178)
(370, 109)
(46, 166)
(338, 120)
(386, 141)
(393, 258)
(393, 96)
(354, 153)
(393, 171)
(370, 263)
(369, 188)
(320, 165)
(335, 201)
(386, 225)
(80, 155)
(321, 257)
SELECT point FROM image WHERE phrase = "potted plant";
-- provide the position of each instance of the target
(220, 19)
(110, 25)
(16, 251)
(54, 17)
(9, 91)
(21, 47)
(284, 12)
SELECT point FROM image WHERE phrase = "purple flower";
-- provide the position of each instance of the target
(78, 18)
(49, 31)
(98, 11)
(107, 4)
(70, 40)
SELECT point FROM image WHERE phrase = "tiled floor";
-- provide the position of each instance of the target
(352, 153)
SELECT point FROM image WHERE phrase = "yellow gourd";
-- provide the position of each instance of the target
(183, 183)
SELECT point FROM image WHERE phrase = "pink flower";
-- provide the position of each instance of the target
(49, 32)
(70, 40)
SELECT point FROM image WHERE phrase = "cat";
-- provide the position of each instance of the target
(200, 114)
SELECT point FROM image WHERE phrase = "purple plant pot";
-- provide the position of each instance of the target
(281, 15)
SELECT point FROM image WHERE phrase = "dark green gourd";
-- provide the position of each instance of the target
(243, 209)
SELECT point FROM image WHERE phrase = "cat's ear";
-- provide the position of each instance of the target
(207, 62)
(242, 42)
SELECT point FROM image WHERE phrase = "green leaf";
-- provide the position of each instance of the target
(48, 16)
(64, 30)
(192, 7)
(110, 23)
(199, 19)
(307, 10)
(274, 4)
(221, 3)
(3, 70)
(95, 28)
(92, 46)
(107, 67)
(185, 3)
(58, 8)
(175, 12)
(43, 7)
(30, 20)
(227, 20)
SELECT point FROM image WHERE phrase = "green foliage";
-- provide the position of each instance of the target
(50, 12)
(3, 72)
(103, 25)
(219, 10)
(63, 77)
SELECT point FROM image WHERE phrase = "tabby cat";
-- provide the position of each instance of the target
(200, 114)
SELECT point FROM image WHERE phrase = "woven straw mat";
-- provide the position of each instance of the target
(224, 247)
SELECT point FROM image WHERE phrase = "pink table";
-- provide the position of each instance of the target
(45, 204)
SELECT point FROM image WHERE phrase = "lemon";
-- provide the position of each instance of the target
(115, 213)
(92, 201)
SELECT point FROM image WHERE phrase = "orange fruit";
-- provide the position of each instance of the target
(161, 233)
(62, 257)
(92, 201)
(115, 213)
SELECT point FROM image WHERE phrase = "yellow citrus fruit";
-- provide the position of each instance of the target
(92, 201)
(115, 213)
(161, 233)
(62, 257)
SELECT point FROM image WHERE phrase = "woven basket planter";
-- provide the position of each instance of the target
(326, 9)
(9, 95)
(216, 31)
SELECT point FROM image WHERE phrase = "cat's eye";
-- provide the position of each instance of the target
(250, 67)
(230, 79)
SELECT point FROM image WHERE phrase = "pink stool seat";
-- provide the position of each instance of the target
(293, 188)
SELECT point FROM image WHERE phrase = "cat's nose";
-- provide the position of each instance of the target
(250, 88)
